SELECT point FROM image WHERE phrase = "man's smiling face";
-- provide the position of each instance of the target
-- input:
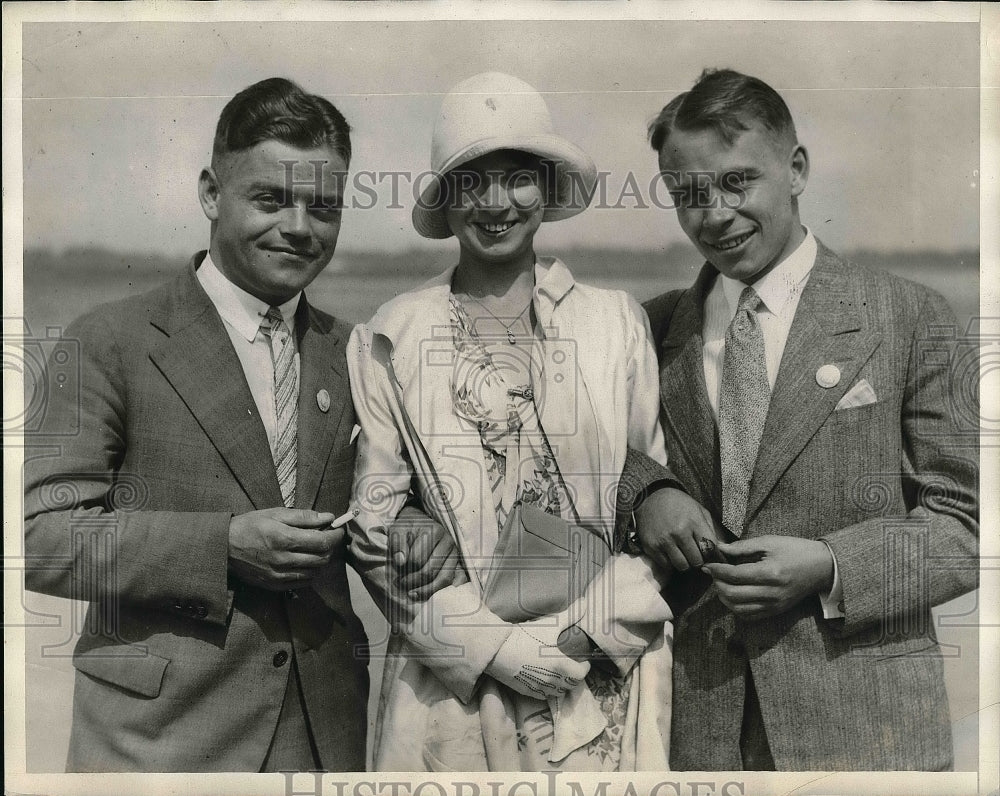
(275, 212)
(745, 218)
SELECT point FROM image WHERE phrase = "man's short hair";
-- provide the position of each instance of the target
(727, 102)
(277, 109)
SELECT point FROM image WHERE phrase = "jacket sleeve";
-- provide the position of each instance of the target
(624, 610)
(452, 633)
(646, 468)
(87, 535)
(935, 558)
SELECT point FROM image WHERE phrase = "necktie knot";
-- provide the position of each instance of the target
(272, 320)
(749, 301)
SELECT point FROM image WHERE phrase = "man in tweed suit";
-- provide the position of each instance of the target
(193, 507)
(808, 406)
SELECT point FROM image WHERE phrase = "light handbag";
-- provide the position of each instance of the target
(541, 564)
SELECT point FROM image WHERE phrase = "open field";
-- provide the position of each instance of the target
(59, 287)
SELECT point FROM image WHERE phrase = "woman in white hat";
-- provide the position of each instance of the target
(504, 381)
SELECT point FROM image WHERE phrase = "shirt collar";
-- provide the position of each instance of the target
(777, 287)
(552, 278)
(239, 309)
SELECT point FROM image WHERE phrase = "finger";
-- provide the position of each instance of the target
(659, 559)
(712, 529)
(676, 557)
(753, 611)
(428, 570)
(444, 577)
(279, 581)
(691, 550)
(419, 550)
(304, 518)
(297, 562)
(744, 549)
(398, 545)
(746, 595)
(737, 574)
(302, 540)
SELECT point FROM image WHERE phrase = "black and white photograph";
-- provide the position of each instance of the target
(450, 398)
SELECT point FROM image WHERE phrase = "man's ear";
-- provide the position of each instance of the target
(208, 192)
(800, 169)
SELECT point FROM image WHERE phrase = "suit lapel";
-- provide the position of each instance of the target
(323, 367)
(827, 330)
(199, 361)
(683, 392)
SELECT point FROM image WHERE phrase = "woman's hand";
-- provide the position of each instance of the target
(423, 555)
(531, 663)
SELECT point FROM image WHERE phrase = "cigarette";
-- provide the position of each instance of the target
(343, 519)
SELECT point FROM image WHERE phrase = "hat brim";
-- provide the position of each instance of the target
(576, 176)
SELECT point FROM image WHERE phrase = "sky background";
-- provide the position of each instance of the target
(118, 118)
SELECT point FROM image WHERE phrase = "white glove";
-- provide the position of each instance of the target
(531, 663)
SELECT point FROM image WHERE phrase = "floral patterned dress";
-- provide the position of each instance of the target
(522, 467)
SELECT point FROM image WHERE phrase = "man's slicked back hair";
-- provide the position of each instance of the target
(277, 109)
(727, 102)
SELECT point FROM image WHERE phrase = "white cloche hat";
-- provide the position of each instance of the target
(492, 111)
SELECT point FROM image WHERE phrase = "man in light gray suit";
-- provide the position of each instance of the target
(807, 404)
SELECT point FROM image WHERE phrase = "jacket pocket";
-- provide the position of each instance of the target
(919, 646)
(854, 414)
(128, 666)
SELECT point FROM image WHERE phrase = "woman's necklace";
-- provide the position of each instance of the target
(507, 326)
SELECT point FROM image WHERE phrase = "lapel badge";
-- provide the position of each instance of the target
(828, 376)
(323, 400)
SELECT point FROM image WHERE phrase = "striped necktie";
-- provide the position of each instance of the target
(286, 394)
(743, 403)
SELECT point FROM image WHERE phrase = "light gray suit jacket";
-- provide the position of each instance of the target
(181, 668)
(891, 487)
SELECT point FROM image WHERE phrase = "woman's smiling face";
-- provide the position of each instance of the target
(495, 205)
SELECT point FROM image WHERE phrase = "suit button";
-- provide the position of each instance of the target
(291, 594)
(202, 611)
(280, 658)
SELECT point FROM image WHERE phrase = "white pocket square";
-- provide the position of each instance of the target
(354, 433)
(861, 394)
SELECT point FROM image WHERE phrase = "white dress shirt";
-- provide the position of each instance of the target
(779, 291)
(242, 314)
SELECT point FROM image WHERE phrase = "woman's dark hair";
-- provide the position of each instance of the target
(277, 109)
(725, 101)
(463, 179)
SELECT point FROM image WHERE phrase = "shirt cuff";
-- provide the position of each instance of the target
(832, 602)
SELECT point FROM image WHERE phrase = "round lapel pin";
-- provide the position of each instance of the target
(828, 376)
(323, 401)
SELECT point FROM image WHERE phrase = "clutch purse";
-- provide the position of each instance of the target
(541, 564)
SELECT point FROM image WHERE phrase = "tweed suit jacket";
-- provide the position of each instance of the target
(181, 667)
(891, 486)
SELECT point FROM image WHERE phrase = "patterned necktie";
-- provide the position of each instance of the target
(743, 403)
(286, 393)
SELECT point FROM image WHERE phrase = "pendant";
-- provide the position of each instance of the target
(510, 337)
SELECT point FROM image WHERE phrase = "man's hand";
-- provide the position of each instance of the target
(768, 575)
(423, 554)
(670, 525)
(281, 548)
